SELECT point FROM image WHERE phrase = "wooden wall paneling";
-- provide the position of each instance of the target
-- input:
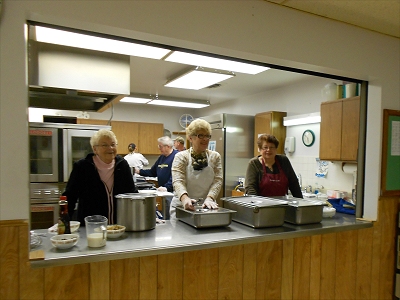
(301, 268)
(364, 263)
(170, 276)
(124, 278)
(200, 274)
(230, 272)
(9, 261)
(67, 282)
(99, 286)
(328, 266)
(269, 270)
(287, 269)
(31, 281)
(148, 278)
(315, 267)
(388, 212)
(346, 265)
(250, 271)
(376, 252)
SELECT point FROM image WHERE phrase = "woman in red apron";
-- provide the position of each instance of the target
(271, 174)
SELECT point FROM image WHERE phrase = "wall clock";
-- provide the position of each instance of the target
(185, 120)
(308, 138)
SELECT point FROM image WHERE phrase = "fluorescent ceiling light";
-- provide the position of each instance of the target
(183, 103)
(212, 62)
(136, 99)
(302, 119)
(84, 41)
(199, 78)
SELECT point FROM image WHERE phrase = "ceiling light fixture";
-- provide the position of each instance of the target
(180, 103)
(138, 99)
(199, 78)
(213, 62)
(85, 41)
(302, 119)
(164, 101)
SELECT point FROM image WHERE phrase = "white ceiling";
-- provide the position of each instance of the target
(148, 76)
(382, 16)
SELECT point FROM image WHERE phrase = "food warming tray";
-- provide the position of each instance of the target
(204, 217)
(300, 211)
(257, 211)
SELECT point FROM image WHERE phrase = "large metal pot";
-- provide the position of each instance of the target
(137, 212)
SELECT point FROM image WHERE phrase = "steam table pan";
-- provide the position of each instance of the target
(204, 217)
(300, 211)
(257, 211)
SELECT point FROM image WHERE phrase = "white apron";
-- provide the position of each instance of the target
(198, 183)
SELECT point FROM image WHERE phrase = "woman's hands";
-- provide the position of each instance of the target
(188, 203)
(210, 203)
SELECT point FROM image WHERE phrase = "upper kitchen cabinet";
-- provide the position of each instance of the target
(340, 129)
(144, 135)
(270, 122)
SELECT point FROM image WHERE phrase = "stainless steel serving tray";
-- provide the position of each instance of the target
(301, 211)
(204, 217)
(257, 211)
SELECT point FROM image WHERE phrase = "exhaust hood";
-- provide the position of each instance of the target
(68, 78)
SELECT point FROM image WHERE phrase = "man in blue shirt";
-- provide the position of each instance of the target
(162, 167)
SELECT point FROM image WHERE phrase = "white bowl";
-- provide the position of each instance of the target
(115, 231)
(74, 225)
(328, 212)
(64, 241)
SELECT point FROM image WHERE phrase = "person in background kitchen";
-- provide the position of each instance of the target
(135, 159)
(162, 167)
(196, 172)
(179, 143)
(97, 178)
(270, 174)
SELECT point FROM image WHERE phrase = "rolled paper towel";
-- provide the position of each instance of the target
(349, 168)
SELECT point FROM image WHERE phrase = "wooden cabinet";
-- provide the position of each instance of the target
(144, 135)
(270, 122)
(340, 121)
(126, 132)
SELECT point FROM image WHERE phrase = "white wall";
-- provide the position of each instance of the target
(245, 29)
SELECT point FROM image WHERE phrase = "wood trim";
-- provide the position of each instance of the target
(356, 264)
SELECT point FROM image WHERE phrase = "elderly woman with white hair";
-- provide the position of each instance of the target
(96, 179)
(162, 167)
(196, 172)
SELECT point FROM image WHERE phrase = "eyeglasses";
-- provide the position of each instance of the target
(105, 146)
(203, 136)
(268, 148)
(161, 146)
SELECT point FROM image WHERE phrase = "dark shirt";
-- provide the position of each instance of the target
(85, 185)
(255, 173)
(162, 170)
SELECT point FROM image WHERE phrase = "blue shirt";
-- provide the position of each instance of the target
(162, 170)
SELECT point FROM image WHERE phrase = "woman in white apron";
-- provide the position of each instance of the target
(196, 172)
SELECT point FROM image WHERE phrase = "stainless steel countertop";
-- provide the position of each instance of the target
(176, 236)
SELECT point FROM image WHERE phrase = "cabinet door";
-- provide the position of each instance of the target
(126, 132)
(92, 122)
(331, 130)
(350, 128)
(262, 124)
(149, 133)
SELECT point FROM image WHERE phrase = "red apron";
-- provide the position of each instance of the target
(273, 184)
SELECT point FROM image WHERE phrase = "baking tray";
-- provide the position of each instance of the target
(300, 211)
(204, 217)
(257, 211)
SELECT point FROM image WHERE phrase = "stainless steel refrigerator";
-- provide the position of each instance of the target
(232, 136)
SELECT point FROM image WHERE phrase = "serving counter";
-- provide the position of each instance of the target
(176, 236)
